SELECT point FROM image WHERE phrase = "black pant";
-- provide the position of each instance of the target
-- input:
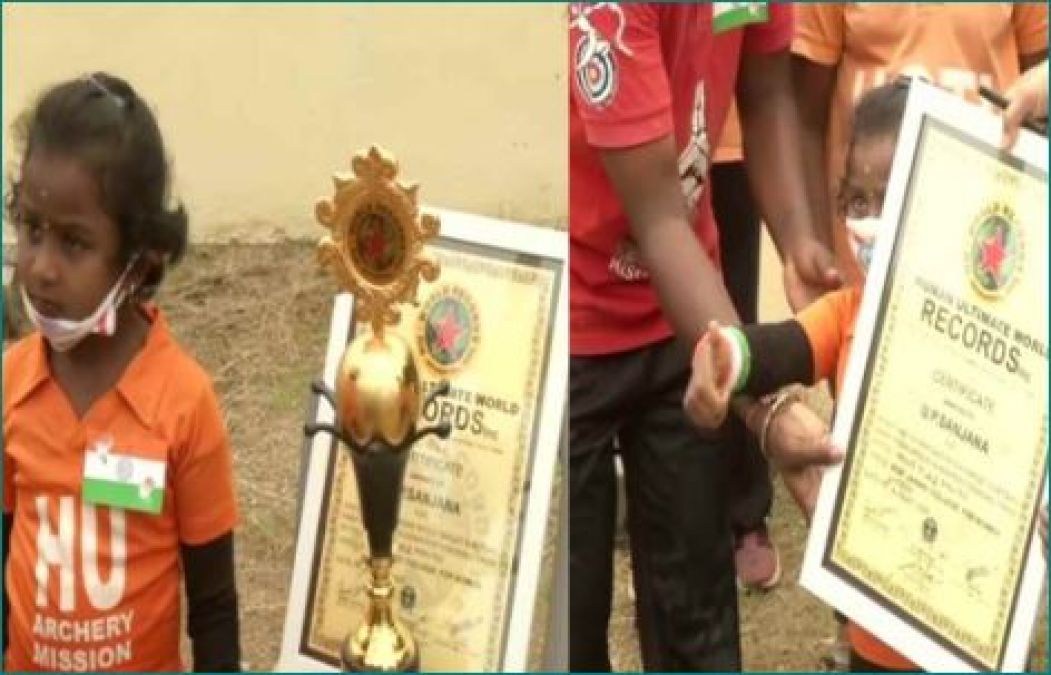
(751, 495)
(681, 541)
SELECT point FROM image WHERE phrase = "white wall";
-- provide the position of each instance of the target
(260, 104)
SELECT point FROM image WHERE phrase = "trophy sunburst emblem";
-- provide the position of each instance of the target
(375, 249)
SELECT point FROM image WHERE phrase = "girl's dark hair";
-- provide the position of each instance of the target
(100, 120)
(881, 110)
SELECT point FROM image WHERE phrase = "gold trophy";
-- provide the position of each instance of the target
(375, 251)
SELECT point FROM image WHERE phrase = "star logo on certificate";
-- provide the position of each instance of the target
(448, 330)
(995, 250)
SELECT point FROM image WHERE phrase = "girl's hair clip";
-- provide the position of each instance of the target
(94, 81)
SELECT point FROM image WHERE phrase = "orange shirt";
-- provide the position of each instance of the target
(93, 587)
(956, 45)
(829, 325)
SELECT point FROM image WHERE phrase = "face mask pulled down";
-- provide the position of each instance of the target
(64, 334)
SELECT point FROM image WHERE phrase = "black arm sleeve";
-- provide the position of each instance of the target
(9, 521)
(781, 355)
(211, 593)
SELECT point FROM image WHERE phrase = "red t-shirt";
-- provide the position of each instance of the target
(638, 73)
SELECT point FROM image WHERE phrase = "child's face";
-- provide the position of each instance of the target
(68, 246)
(864, 187)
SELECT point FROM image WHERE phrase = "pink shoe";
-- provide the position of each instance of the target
(758, 564)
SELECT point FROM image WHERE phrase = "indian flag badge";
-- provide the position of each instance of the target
(729, 15)
(122, 481)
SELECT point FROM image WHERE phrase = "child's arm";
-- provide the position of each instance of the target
(211, 594)
(754, 360)
(761, 358)
(771, 132)
(203, 492)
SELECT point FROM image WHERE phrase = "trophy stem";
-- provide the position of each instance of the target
(380, 644)
(380, 471)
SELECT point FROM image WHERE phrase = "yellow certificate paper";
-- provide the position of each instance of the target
(925, 537)
(486, 325)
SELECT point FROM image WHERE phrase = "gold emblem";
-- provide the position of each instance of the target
(375, 249)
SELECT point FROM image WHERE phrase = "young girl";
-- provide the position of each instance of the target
(816, 344)
(117, 470)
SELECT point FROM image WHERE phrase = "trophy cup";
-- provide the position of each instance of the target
(375, 251)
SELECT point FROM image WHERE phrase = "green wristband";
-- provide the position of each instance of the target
(745, 351)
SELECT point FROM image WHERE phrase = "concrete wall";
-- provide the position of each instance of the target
(260, 104)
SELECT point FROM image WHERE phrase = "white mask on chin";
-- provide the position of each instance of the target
(64, 334)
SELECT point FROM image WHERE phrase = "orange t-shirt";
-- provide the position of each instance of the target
(955, 45)
(93, 587)
(829, 326)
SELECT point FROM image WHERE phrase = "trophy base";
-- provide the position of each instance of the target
(381, 644)
(388, 650)
(409, 663)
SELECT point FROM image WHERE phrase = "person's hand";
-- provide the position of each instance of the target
(799, 447)
(809, 273)
(1027, 98)
(708, 392)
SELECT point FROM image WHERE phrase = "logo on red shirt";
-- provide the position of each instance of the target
(594, 63)
(694, 158)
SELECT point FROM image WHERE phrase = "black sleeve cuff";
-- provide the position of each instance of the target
(211, 594)
(781, 355)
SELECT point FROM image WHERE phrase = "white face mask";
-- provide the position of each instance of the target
(64, 334)
(862, 235)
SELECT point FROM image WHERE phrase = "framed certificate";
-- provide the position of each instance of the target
(475, 506)
(926, 535)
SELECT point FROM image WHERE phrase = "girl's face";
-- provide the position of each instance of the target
(68, 246)
(864, 187)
